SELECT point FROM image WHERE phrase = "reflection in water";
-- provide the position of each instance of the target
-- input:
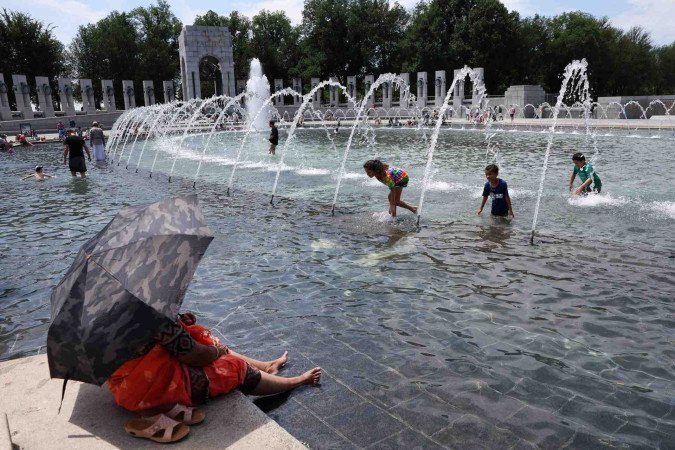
(499, 231)
(79, 186)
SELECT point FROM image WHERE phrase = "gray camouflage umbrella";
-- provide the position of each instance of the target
(124, 284)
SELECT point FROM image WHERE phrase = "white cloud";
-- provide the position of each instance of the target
(655, 16)
(524, 7)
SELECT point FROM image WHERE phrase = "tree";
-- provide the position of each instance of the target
(29, 48)
(664, 74)
(158, 31)
(108, 49)
(273, 42)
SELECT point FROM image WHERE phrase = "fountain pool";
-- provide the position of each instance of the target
(457, 334)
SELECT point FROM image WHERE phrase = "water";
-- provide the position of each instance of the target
(457, 334)
(258, 88)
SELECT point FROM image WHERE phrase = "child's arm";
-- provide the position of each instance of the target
(508, 203)
(27, 177)
(583, 186)
(572, 180)
(482, 204)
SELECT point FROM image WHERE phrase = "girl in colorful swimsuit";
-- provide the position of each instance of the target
(395, 179)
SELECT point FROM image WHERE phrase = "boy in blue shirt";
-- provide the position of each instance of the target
(586, 174)
(497, 189)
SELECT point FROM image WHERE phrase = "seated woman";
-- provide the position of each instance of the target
(187, 365)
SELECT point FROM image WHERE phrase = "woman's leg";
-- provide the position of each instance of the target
(271, 367)
(272, 384)
(397, 191)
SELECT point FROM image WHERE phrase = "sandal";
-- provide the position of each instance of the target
(151, 428)
(186, 414)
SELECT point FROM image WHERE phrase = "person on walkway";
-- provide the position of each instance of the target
(97, 141)
(395, 179)
(187, 365)
(274, 138)
(498, 190)
(61, 130)
(73, 147)
(586, 174)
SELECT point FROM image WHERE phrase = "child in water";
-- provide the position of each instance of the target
(498, 190)
(586, 174)
(395, 179)
(39, 174)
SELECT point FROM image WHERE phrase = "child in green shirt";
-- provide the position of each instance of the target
(586, 174)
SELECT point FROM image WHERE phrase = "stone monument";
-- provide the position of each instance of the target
(5, 110)
(149, 92)
(297, 87)
(88, 97)
(169, 91)
(66, 96)
(439, 91)
(44, 93)
(197, 42)
(316, 99)
(333, 93)
(369, 80)
(128, 94)
(278, 85)
(421, 89)
(22, 95)
(404, 90)
(108, 95)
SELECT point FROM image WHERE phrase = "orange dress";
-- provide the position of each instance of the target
(158, 378)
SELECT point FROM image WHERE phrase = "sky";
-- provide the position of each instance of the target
(655, 16)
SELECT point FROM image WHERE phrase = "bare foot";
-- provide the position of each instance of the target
(274, 366)
(312, 376)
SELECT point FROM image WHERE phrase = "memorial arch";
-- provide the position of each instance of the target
(206, 51)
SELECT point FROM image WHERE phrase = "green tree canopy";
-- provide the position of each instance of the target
(29, 48)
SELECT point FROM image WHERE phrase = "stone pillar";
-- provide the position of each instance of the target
(404, 96)
(88, 97)
(297, 87)
(44, 93)
(149, 93)
(421, 89)
(368, 82)
(333, 93)
(386, 94)
(228, 81)
(129, 94)
(22, 94)
(169, 91)
(108, 95)
(278, 85)
(458, 94)
(439, 85)
(316, 98)
(351, 86)
(5, 110)
(474, 93)
(66, 96)
(522, 95)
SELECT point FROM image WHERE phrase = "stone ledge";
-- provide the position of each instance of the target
(89, 418)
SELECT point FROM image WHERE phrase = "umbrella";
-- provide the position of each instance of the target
(125, 283)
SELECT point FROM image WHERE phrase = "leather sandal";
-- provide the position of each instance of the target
(159, 428)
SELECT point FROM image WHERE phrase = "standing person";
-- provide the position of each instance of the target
(498, 190)
(72, 149)
(512, 112)
(61, 130)
(395, 179)
(97, 141)
(274, 138)
(586, 174)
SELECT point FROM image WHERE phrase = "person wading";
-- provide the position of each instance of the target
(72, 149)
